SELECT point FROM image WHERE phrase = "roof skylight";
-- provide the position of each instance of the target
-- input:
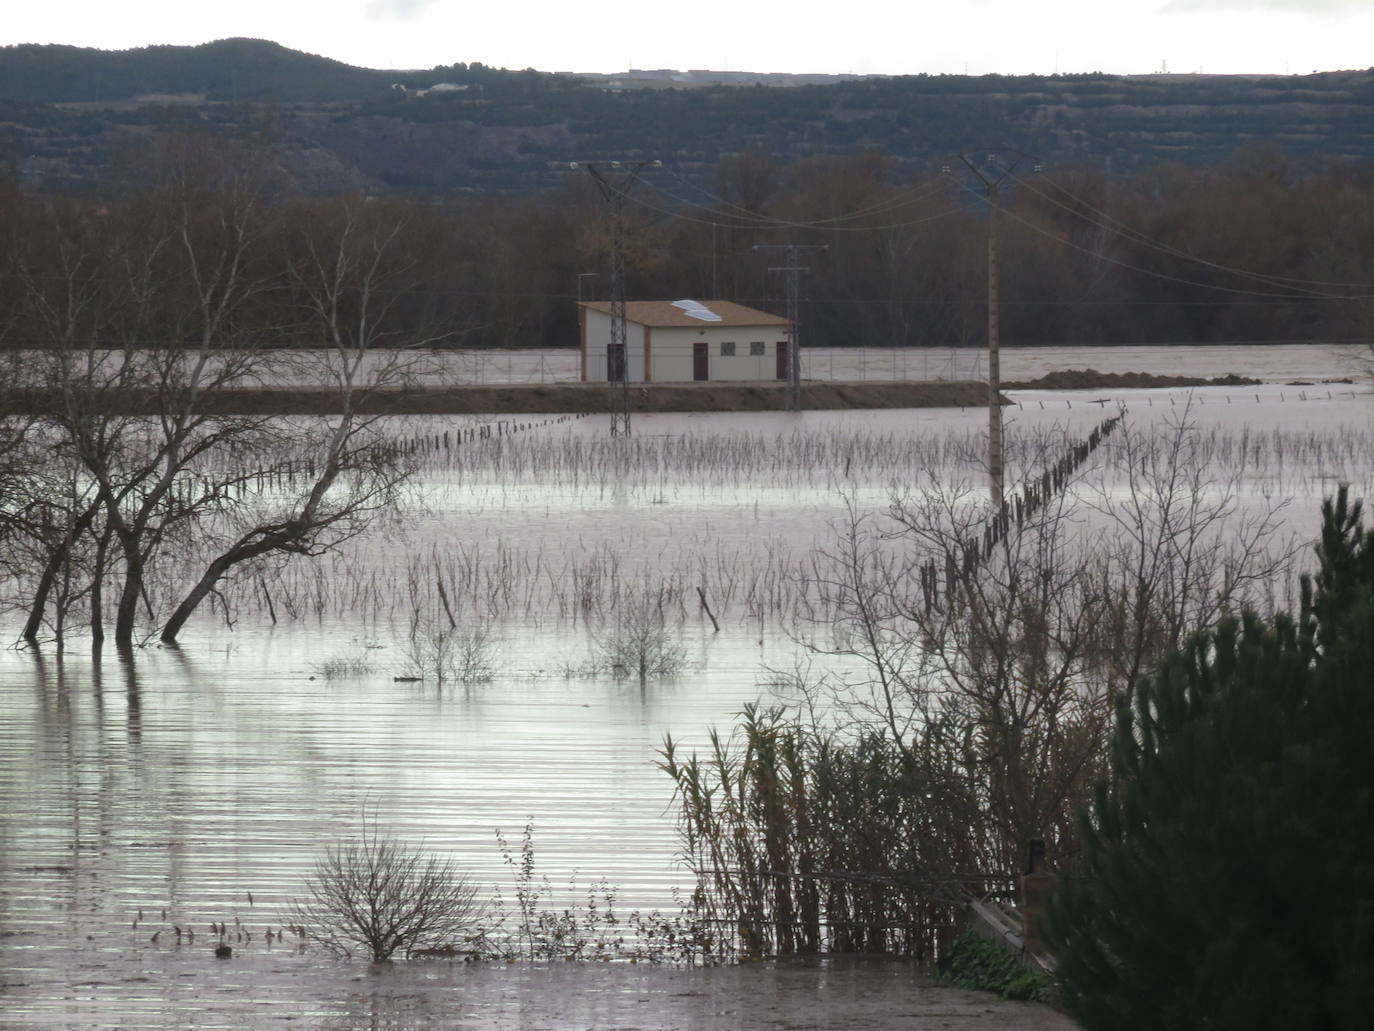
(696, 310)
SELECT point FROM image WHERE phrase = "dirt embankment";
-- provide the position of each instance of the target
(579, 398)
(1091, 379)
(559, 398)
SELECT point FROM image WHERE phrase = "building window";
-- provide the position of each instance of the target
(727, 348)
(757, 349)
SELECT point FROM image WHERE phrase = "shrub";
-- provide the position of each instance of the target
(344, 667)
(981, 966)
(640, 644)
(538, 928)
(440, 651)
(1229, 860)
(377, 894)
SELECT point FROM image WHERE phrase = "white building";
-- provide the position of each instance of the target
(682, 341)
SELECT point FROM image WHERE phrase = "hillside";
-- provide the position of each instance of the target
(65, 112)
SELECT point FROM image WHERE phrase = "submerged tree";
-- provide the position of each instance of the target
(134, 314)
(345, 281)
(1228, 878)
(144, 312)
(640, 643)
(378, 895)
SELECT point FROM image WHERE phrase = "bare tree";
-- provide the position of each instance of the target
(147, 308)
(140, 307)
(1008, 667)
(377, 894)
(971, 682)
(640, 643)
(346, 281)
(1178, 550)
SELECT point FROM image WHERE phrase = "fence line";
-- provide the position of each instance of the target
(1034, 495)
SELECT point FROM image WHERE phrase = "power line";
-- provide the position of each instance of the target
(1239, 291)
(1113, 225)
(760, 219)
(757, 220)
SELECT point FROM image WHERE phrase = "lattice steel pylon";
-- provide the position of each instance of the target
(614, 190)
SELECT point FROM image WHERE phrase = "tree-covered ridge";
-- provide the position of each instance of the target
(516, 130)
(228, 69)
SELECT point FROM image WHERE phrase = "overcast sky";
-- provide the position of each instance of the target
(885, 36)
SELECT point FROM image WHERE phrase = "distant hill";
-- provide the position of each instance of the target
(226, 70)
(65, 111)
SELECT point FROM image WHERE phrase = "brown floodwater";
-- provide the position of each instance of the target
(197, 785)
(188, 989)
(196, 788)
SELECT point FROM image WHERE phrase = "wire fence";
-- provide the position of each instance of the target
(835, 364)
(1277, 363)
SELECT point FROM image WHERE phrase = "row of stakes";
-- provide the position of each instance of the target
(1033, 496)
(448, 440)
(1201, 399)
(285, 475)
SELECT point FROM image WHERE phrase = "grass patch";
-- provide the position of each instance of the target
(979, 965)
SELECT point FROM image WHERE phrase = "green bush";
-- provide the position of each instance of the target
(977, 964)
(1229, 874)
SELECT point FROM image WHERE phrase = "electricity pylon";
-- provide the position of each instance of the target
(793, 271)
(615, 188)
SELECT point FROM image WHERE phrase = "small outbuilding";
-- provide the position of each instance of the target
(683, 341)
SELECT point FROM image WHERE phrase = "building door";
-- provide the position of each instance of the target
(701, 360)
(782, 359)
(615, 362)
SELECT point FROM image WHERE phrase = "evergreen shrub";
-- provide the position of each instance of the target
(1229, 857)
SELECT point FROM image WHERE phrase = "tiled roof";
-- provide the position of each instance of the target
(665, 313)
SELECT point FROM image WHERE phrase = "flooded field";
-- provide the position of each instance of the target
(196, 785)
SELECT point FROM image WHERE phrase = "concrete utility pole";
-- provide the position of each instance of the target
(793, 271)
(615, 187)
(990, 183)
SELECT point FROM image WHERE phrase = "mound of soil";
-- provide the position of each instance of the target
(1091, 379)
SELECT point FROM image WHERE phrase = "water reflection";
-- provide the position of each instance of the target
(176, 788)
(171, 788)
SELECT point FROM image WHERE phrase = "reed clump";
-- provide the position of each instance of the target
(808, 840)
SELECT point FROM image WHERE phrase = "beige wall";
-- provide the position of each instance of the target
(596, 335)
(671, 349)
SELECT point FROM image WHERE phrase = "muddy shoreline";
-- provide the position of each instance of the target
(1091, 379)
(160, 988)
